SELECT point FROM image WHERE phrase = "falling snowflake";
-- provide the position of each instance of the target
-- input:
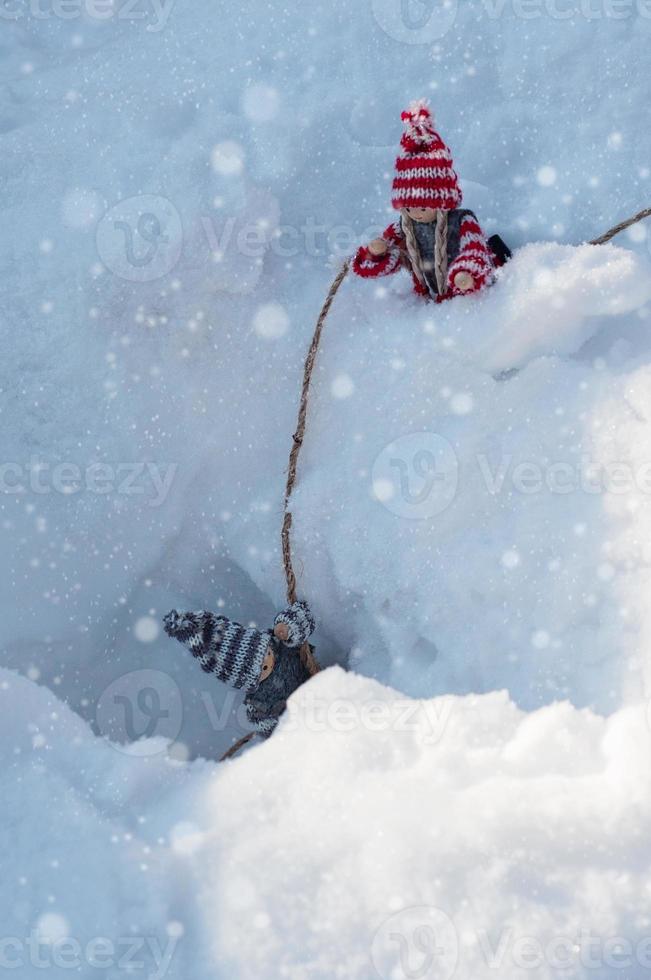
(383, 490)
(540, 639)
(271, 321)
(342, 386)
(228, 158)
(260, 103)
(52, 927)
(462, 403)
(546, 176)
(511, 558)
(146, 629)
(637, 233)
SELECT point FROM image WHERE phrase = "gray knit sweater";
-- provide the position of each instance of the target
(426, 236)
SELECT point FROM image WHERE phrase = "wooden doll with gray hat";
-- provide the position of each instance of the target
(265, 664)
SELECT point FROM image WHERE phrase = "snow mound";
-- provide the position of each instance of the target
(464, 530)
(90, 836)
(372, 835)
(458, 836)
(551, 299)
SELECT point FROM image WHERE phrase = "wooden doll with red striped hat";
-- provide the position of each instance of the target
(440, 243)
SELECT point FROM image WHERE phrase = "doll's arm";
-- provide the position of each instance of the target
(473, 267)
(369, 266)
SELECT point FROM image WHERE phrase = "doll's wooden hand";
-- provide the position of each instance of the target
(268, 664)
(464, 282)
(378, 247)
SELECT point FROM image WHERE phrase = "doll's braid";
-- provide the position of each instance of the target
(441, 252)
(412, 247)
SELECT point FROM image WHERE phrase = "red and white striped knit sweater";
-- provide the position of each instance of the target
(474, 257)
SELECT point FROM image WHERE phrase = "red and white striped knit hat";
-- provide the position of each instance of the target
(424, 174)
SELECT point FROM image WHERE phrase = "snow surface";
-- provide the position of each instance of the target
(177, 191)
(490, 841)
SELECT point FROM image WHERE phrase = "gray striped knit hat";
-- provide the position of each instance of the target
(222, 647)
(299, 622)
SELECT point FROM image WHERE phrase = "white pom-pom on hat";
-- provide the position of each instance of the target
(419, 122)
(418, 108)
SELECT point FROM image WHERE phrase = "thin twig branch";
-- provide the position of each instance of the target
(621, 227)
